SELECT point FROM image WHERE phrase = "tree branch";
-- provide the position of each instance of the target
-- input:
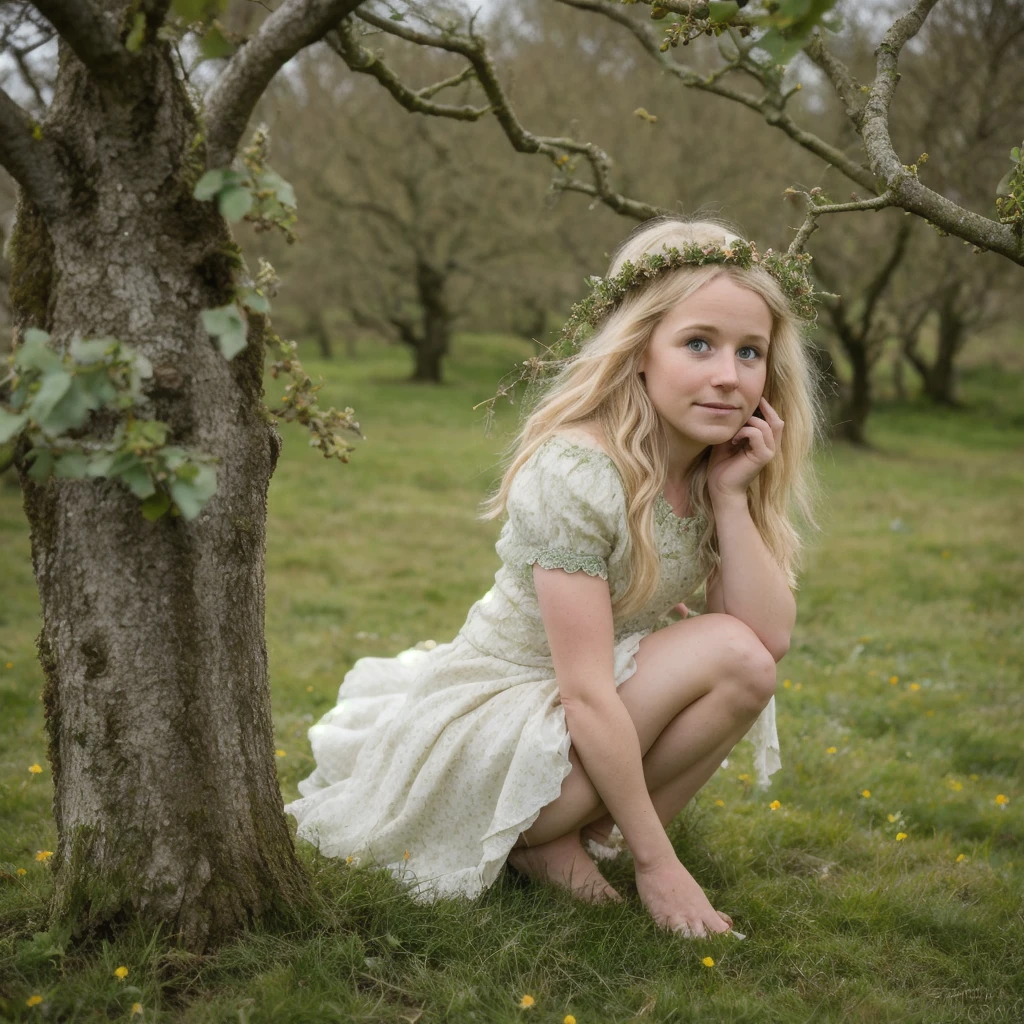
(358, 58)
(89, 34)
(230, 101)
(30, 158)
(771, 105)
(474, 49)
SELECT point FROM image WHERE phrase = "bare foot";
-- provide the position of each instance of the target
(564, 862)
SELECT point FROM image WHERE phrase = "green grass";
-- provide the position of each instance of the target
(916, 576)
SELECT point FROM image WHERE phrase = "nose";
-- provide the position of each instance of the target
(723, 371)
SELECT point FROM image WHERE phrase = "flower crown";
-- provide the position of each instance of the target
(790, 270)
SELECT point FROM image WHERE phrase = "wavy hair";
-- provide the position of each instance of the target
(601, 385)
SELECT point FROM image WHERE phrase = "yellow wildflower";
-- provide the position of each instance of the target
(568, 1019)
(1002, 799)
(900, 836)
(121, 972)
(956, 785)
(309, 689)
(10, 664)
(915, 687)
(34, 769)
(136, 1008)
(44, 855)
(865, 792)
(32, 1000)
(526, 1002)
(799, 686)
(960, 857)
(893, 680)
(280, 753)
(719, 803)
(708, 962)
(348, 860)
(973, 777)
(22, 871)
(863, 639)
(406, 855)
(929, 714)
(775, 805)
(787, 683)
(831, 750)
(892, 819)
(744, 777)
(946, 554)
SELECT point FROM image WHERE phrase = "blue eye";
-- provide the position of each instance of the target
(750, 348)
(695, 341)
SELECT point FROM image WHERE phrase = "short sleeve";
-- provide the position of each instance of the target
(565, 510)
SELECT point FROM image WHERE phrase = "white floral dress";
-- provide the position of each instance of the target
(449, 754)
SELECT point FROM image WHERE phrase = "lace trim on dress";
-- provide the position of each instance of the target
(570, 561)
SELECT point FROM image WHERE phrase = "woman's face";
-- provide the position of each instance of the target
(711, 349)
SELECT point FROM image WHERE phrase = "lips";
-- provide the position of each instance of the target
(716, 405)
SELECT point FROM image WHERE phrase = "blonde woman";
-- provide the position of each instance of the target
(667, 454)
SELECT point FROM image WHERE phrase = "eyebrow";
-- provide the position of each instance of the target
(711, 329)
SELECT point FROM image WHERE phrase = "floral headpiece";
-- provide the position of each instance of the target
(789, 269)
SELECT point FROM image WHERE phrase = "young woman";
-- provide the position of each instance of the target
(667, 454)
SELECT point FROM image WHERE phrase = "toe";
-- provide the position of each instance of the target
(725, 917)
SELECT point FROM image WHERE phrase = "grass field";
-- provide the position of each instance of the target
(901, 713)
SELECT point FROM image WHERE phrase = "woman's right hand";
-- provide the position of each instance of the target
(676, 902)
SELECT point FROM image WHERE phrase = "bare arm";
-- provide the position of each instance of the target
(749, 584)
(577, 613)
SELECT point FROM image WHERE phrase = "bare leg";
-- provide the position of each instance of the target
(690, 707)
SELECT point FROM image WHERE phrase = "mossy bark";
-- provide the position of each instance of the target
(156, 692)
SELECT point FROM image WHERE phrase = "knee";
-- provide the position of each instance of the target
(748, 666)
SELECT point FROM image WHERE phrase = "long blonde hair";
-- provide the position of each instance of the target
(601, 384)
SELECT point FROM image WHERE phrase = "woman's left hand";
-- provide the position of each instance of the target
(735, 463)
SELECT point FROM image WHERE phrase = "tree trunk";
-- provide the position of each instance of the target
(857, 397)
(435, 340)
(940, 382)
(156, 695)
(318, 329)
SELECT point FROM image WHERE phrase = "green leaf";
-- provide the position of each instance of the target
(53, 388)
(226, 324)
(209, 184)
(11, 424)
(138, 480)
(234, 202)
(42, 463)
(1015, 154)
(154, 507)
(197, 10)
(91, 351)
(281, 188)
(191, 495)
(73, 465)
(99, 464)
(35, 353)
(71, 410)
(137, 36)
(214, 44)
(1002, 189)
(253, 300)
(721, 10)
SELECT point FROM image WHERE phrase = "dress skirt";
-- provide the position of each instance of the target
(446, 755)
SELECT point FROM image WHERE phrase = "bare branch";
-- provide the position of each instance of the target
(771, 105)
(902, 181)
(618, 203)
(474, 49)
(344, 43)
(838, 74)
(87, 31)
(293, 26)
(30, 158)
